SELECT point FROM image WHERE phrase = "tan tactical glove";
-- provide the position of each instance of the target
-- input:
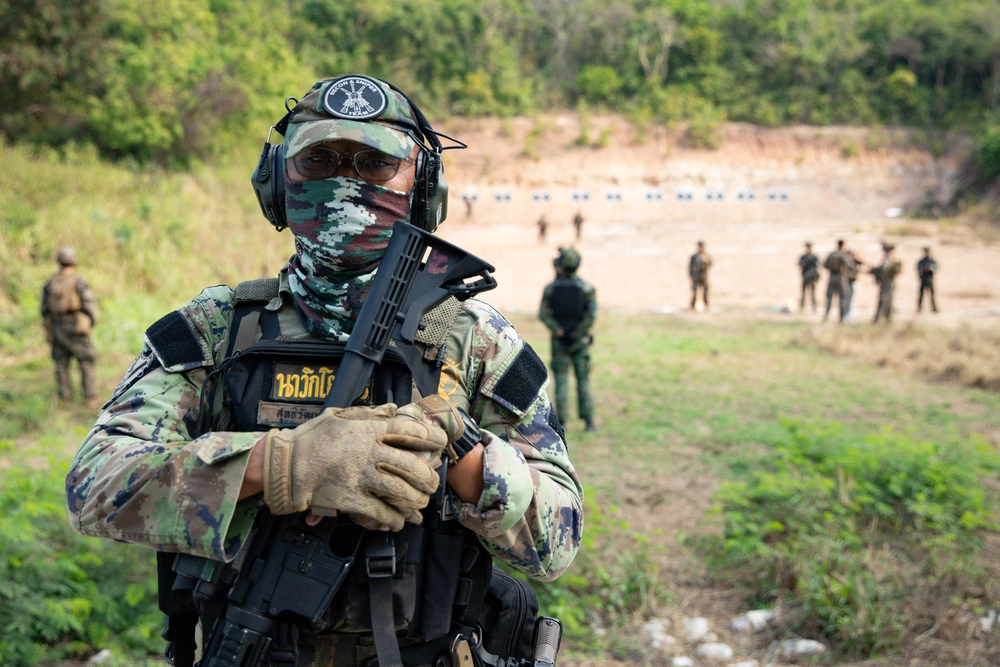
(373, 463)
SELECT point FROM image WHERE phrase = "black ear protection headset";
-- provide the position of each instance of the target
(430, 195)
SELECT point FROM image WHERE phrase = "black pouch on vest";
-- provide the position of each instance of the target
(508, 616)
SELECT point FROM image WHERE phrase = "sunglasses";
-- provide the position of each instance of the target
(319, 162)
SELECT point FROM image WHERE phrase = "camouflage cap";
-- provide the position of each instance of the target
(66, 256)
(356, 108)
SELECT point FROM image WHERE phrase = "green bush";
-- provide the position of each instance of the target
(598, 84)
(61, 594)
(988, 154)
(843, 533)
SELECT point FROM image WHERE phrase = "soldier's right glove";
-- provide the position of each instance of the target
(368, 462)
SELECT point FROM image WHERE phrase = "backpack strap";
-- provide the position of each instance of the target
(437, 324)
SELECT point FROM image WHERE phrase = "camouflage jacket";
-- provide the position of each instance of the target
(699, 265)
(143, 476)
(887, 271)
(57, 302)
(546, 315)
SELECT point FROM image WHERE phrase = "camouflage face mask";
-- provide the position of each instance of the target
(342, 227)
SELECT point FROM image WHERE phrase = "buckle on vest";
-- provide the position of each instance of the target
(380, 559)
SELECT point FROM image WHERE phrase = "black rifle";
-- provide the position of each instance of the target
(288, 569)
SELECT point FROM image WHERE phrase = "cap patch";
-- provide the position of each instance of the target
(353, 98)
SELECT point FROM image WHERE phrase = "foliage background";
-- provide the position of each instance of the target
(175, 81)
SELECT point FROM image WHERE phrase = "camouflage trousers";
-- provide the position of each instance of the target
(67, 346)
(885, 293)
(835, 287)
(695, 284)
(577, 354)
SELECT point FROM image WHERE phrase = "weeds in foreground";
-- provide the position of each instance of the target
(612, 580)
(845, 533)
(63, 595)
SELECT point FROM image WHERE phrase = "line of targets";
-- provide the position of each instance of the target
(616, 196)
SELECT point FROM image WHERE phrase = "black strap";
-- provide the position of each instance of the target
(380, 560)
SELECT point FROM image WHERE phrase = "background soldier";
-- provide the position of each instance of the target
(849, 272)
(578, 224)
(885, 275)
(835, 284)
(543, 228)
(926, 268)
(568, 309)
(809, 264)
(698, 268)
(69, 310)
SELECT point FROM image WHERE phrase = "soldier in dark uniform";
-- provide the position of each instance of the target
(926, 268)
(698, 268)
(809, 264)
(568, 309)
(68, 313)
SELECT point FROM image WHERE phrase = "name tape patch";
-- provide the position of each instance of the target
(305, 383)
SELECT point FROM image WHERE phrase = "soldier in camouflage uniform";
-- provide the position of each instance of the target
(809, 265)
(698, 268)
(836, 284)
(146, 473)
(885, 276)
(69, 310)
(568, 309)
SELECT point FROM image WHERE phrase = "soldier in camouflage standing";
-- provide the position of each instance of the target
(885, 275)
(809, 265)
(926, 268)
(835, 286)
(69, 310)
(171, 465)
(568, 309)
(698, 268)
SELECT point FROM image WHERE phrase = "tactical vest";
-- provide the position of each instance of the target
(568, 303)
(443, 582)
(62, 294)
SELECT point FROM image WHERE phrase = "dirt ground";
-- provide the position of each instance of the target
(636, 250)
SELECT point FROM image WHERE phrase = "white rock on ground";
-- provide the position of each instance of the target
(695, 629)
(745, 663)
(798, 648)
(102, 657)
(682, 661)
(715, 651)
(752, 621)
(988, 621)
(655, 636)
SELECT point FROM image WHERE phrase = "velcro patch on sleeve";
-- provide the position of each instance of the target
(522, 381)
(175, 344)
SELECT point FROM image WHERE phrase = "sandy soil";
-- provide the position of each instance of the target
(636, 251)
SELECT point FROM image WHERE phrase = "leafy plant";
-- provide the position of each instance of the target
(63, 595)
(843, 531)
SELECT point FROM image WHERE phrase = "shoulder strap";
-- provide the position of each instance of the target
(437, 324)
(261, 290)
